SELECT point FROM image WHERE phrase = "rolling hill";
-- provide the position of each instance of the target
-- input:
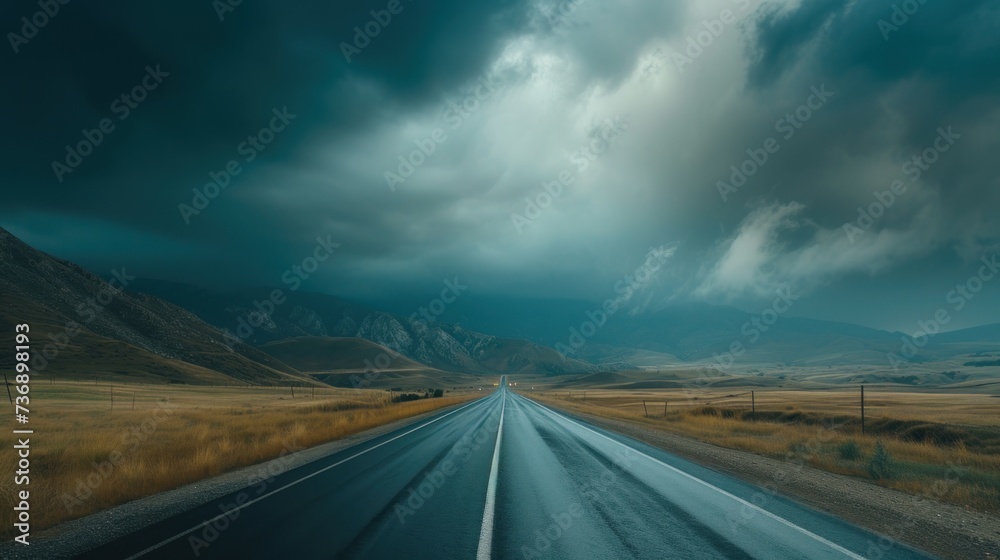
(325, 354)
(359, 363)
(165, 331)
(84, 327)
(699, 332)
(439, 346)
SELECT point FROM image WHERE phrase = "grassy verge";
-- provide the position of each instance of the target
(952, 463)
(86, 456)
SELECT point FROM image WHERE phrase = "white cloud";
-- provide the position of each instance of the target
(775, 247)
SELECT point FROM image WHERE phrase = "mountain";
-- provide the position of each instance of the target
(437, 345)
(85, 326)
(356, 362)
(698, 332)
(325, 354)
(983, 333)
(82, 326)
(678, 333)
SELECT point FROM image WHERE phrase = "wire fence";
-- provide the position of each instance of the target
(857, 408)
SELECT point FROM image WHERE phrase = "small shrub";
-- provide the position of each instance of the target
(880, 465)
(849, 450)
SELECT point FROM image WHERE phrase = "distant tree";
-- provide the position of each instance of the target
(880, 465)
(438, 393)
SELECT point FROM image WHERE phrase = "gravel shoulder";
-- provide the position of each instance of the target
(79, 535)
(945, 530)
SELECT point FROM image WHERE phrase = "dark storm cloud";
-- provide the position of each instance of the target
(783, 32)
(558, 70)
(905, 73)
(883, 41)
(902, 70)
(224, 78)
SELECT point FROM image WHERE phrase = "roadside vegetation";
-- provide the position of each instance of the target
(87, 456)
(949, 462)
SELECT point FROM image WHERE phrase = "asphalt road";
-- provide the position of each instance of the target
(501, 477)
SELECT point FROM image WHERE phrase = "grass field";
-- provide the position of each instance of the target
(942, 446)
(86, 456)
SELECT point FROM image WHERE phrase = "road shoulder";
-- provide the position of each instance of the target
(948, 531)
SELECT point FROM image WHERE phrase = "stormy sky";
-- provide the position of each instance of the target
(532, 149)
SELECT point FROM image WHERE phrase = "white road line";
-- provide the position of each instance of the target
(777, 518)
(486, 531)
(290, 484)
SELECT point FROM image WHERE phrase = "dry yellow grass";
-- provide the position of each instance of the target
(813, 427)
(86, 457)
(948, 408)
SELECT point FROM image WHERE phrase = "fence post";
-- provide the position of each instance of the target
(664, 409)
(753, 407)
(133, 400)
(862, 410)
(7, 385)
(112, 398)
(645, 412)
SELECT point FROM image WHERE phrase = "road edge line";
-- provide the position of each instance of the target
(769, 514)
(289, 485)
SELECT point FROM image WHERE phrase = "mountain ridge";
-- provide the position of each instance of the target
(434, 344)
(86, 321)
